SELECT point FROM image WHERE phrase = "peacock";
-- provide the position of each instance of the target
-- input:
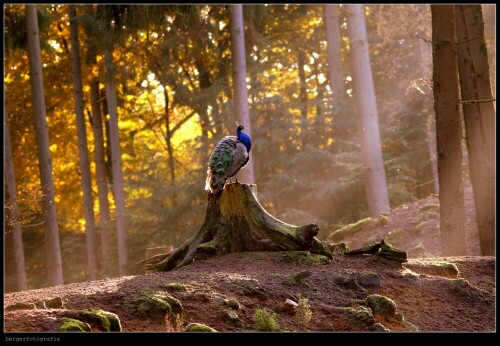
(229, 156)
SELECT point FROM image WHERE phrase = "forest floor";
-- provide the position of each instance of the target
(224, 292)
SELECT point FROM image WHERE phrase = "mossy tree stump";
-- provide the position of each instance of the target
(236, 222)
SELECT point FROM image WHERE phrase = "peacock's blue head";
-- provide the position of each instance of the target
(243, 137)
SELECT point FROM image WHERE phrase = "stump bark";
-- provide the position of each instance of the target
(236, 222)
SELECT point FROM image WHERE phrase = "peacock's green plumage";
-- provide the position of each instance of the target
(228, 157)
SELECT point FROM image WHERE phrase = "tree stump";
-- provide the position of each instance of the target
(236, 222)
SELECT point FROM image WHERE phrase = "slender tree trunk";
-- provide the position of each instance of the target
(102, 187)
(301, 61)
(53, 251)
(104, 221)
(448, 131)
(88, 204)
(12, 216)
(430, 121)
(107, 148)
(101, 170)
(334, 56)
(240, 84)
(371, 150)
(171, 161)
(116, 158)
(479, 118)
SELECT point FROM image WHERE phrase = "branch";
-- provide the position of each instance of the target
(181, 122)
(426, 183)
(33, 224)
(422, 38)
(467, 102)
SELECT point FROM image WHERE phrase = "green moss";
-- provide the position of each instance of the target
(430, 207)
(446, 269)
(362, 314)
(158, 305)
(381, 305)
(349, 230)
(265, 321)
(210, 247)
(232, 304)
(230, 316)
(306, 257)
(436, 268)
(198, 327)
(100, 319)
(297, 278)
(53, 303)
(114, 321)
(391, 253)
(21, 306)
(175, 304)
(154, 307)
(174, 287)
(72, 325)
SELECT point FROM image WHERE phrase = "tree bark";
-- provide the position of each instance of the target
(101, 173)
(168, 137)
(12, 216)
(104, 220)
(301, 61)
(371, 150)
(53, 251)
(236, 222)
(448, 131)
(430, 121)
(239, 82)
(116, 158)
(334, 55)
(88, 204)
(479, 119)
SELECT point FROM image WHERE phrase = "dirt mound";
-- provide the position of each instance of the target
(413, 227)
(349, 293)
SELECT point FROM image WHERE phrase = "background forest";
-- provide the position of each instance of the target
(171, 66)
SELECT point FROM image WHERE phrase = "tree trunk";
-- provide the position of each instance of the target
(168, 137)
(12, 217)
(107, 148)
(104, 221)
(239, 82)
(430, 130)
(236, 222)
(88, 204)
(53, 251)
(101, 173)
(448, 131)
(479, 118)
(301, 61)
(334, 55)
(371, 151)
(116, 159)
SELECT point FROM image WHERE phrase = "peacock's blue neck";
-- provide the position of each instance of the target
(245, 139)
